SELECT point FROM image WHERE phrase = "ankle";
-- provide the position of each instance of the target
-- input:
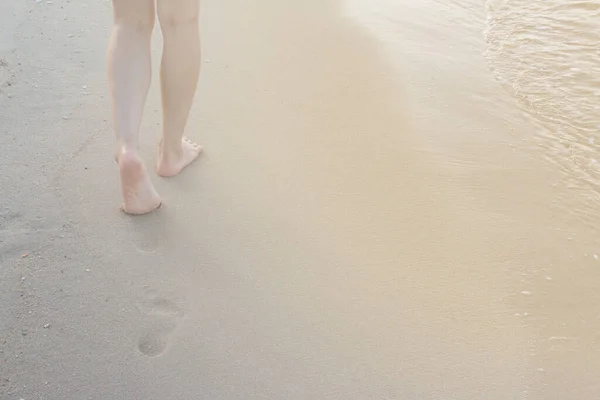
(128, 157)
(125, 151)
(168, 148)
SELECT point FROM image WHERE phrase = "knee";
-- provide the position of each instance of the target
(173, 16)
(142, 24)
(176, 21)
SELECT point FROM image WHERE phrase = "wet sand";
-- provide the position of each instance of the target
(373, 218)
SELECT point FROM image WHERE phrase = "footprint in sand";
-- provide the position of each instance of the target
(148, 231)
(166, 316)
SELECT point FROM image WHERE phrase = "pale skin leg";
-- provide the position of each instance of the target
(129, 74)
(179, 72)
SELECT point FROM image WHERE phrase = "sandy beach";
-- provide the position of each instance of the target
(376, 214)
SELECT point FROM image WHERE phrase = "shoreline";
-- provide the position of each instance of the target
(362, 223)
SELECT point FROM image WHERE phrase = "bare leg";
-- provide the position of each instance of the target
(129, 73)
(179, 77)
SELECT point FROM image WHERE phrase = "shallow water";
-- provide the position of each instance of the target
(546, 55)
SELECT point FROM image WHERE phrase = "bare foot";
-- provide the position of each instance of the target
(139, 195)
(172, 161)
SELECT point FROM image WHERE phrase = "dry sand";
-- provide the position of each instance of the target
(371, 218)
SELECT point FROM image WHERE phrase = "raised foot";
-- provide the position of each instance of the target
(173, 161)
(139, 195)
